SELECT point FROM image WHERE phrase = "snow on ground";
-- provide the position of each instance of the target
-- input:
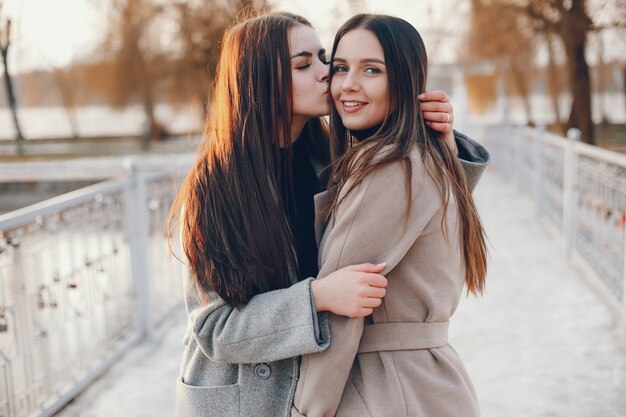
(540, 343)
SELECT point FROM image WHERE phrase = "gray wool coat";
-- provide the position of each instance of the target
(246, 362)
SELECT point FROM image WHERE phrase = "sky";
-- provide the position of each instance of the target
(52, 33)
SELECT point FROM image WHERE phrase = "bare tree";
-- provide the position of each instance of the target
(181, 69)
(602, 81)
(64, 83)
(5, 43)
(497, 33)
(201, 28)
(135, 75)
(569, 21)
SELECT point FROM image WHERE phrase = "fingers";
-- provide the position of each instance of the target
(363, 312)
(436, 106)
(440, 127)
(433, 96)
(375, 280)
(366, 267)
(440, 117)
(372, 303)
(376, 292)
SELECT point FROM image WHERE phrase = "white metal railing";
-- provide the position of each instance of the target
(580, 189)
(83, 277)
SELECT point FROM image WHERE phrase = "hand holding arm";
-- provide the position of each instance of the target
(439, 115)
(353, 291)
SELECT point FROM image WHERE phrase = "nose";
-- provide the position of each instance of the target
(323, 72)
(349, 82)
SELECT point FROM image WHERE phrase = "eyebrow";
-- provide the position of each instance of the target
(379, 61)
(308, 54)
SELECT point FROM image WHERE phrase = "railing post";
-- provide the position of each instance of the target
(136, 216)
(570, 168)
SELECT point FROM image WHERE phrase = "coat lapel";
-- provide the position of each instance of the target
(321, 201)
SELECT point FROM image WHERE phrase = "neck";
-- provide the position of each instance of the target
(363, 134)
(297, 125)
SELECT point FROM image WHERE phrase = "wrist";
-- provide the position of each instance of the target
(317, 295)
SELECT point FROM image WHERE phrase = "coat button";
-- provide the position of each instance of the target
(262, 371)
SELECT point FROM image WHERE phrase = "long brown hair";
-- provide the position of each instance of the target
(235, 234)
(402, 129)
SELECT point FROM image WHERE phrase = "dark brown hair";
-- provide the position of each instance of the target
(235, 234)
(402, 129)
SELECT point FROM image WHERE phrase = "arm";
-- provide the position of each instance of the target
(366, 226)
(473, 156)
(283, 323)
(272, 326)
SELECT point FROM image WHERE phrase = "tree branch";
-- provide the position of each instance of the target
(605, 26)
(558, 5)
(532, 11)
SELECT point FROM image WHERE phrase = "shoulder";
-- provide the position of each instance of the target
(391, 178)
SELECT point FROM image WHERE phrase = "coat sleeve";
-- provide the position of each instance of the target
(369, 226)
(275, 325)
(474, 158)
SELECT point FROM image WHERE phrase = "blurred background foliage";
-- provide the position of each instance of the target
(157, 51)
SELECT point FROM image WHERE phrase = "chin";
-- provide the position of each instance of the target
(354, 125)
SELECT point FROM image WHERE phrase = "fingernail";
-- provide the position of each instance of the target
(382, 264)
(421, 96)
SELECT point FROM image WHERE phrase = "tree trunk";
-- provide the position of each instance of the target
(153, 129)
(573, 31)
(151, 132)
(601, 81)
(11, 96)
(522, 88)
(554, 84)
(67, 96)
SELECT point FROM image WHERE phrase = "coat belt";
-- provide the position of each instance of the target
(381, 337)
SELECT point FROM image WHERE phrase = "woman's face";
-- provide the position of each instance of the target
(359, 86)
(309, 74)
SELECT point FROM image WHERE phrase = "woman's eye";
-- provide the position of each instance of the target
(372, 70)
(303, 66)
(340, 68)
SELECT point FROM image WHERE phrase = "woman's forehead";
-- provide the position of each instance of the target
(303, 39)
(359, 43)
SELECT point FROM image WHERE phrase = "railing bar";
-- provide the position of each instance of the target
(74, 198)
(600, 154)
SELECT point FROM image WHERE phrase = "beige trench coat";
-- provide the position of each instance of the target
(397, 362)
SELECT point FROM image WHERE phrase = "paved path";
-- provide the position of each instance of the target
(540, 343)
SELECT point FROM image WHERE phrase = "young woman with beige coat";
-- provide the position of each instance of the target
(399, 197)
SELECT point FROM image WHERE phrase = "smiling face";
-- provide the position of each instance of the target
(359, 85)
(309, 75)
